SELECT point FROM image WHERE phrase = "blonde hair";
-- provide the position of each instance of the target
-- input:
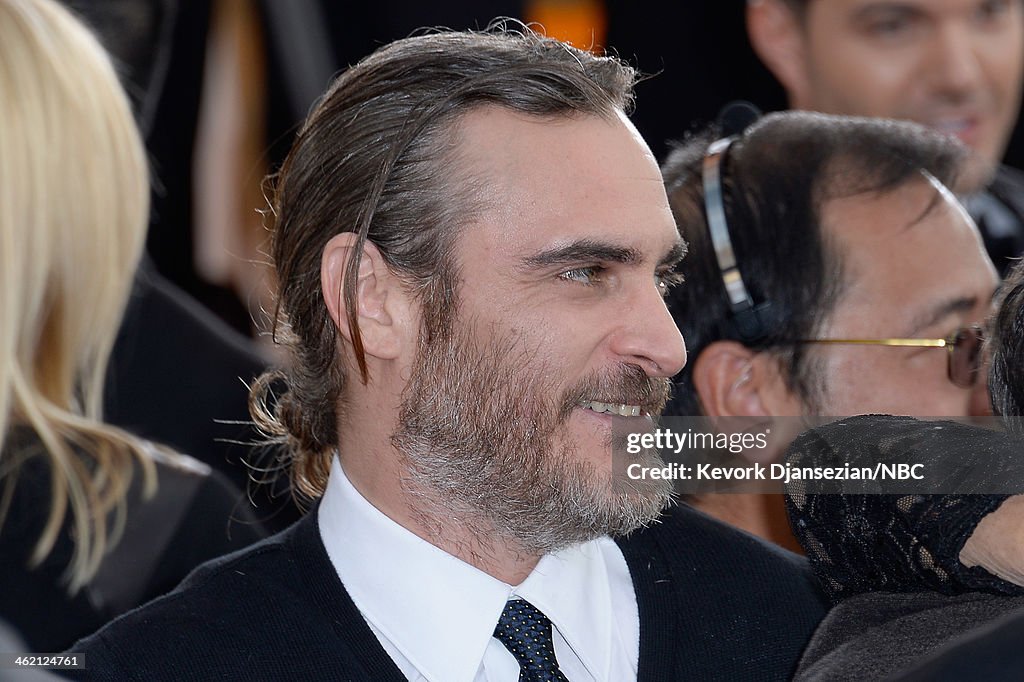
(74, 205)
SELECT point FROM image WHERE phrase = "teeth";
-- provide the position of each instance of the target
(620, 409)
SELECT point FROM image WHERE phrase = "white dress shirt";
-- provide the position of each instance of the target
(435, 614)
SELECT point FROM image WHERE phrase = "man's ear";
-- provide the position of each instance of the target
(732, 380)
(778, 37)
(382, 306)
(723, 376)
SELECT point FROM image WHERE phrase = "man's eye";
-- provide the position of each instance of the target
(589, 275)
(889, 27)
(666, 280)
(886, 25)
(991, 11)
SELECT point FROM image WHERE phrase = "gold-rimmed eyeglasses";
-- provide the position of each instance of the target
(963, 346)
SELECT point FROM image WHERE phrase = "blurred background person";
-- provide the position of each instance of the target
(953, 65)
(93, 520)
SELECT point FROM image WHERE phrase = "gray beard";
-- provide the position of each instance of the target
(478, 435)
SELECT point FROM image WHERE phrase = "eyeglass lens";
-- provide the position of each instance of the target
(965, 358)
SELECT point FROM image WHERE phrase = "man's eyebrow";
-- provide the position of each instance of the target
(887, 10)
(941, 311)
(674, 255)
(581, 251)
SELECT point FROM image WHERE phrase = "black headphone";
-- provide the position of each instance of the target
(750, 321)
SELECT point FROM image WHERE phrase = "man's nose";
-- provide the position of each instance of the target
(648, 336)
(955, 62)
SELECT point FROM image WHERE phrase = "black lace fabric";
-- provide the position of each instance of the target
(867, 542)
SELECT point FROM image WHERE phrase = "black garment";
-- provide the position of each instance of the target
(891, 562)
(874, 636)
(990, 652)
(714, 604)
(999, 212)
(193, 517)
(901, 543)
(176, 377)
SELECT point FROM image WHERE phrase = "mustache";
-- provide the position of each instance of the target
(626, 385)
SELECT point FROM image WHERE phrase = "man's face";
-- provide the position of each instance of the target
(560, 307)
(955, 65)
(907, 274)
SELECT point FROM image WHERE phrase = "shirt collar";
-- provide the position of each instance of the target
(439, 611)
(571, 588)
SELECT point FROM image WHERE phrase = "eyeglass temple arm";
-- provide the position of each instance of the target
(912, 343)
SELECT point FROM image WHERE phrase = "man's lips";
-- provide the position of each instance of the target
(967, 127)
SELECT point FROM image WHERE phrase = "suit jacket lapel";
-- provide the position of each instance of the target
(328, 594)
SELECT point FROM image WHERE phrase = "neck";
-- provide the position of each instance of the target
(382, 481)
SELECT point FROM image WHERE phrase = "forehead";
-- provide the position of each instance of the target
(906, 251)
(550, 180)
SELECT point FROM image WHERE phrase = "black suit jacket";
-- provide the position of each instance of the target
(1002, 225)
(714, 604)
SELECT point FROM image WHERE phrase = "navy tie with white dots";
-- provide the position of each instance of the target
(526, 632)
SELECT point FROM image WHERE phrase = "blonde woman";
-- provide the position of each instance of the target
(74, 204)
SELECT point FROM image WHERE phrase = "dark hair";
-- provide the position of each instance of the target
(378, 156)
(1006, 343)
(775, 179)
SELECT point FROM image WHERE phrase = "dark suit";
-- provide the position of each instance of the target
(999, 212)
(714, 603)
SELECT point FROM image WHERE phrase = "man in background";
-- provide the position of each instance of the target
(845, 237)
(953, 65)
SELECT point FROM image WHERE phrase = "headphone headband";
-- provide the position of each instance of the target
(748, 318)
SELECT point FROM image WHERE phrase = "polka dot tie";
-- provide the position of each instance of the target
(526, 632)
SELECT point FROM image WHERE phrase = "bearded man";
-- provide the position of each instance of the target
(473, 245)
